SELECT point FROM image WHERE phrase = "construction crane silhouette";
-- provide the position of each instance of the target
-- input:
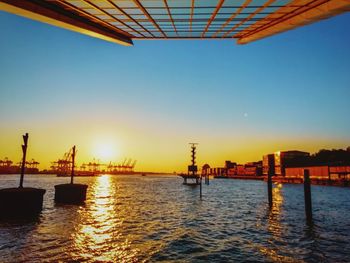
(63, 166)
(32, 164)
(126, 166)
(6, 162)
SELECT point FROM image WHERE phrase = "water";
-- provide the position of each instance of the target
(156, 218)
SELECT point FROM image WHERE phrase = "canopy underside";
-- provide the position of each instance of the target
(122, 21)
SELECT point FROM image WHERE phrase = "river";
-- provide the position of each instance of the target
(158, 219)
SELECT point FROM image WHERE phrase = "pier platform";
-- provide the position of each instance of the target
(190, 179)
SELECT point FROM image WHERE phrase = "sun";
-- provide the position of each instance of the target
(105, 151)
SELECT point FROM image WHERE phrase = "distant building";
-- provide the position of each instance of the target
(324, 172)
(253, 168)
(289, 159)
(229, 164)
(205, 169)
(232, 169)
(217, 171)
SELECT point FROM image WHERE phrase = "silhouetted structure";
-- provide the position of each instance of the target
(21, 201)
(205, 173)
(268, 164)
(326, 167)
(269, 187)
(7, 167)
(192, 178)
(278, 161)
(63, 166)
(126, 167)
(285, 159)
(307, 196)
(71, 193)
(234, 170)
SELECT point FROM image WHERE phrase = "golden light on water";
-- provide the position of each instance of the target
(275, 227)
(100, 230)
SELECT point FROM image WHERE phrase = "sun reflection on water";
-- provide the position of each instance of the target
(274, 220)
(98, 236)
(275, 228)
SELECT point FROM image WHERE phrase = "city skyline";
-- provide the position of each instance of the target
(287, 92)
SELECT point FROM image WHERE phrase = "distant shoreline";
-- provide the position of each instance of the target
(100, 173)
(293, 180)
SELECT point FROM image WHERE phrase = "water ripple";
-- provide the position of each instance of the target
(154, 219)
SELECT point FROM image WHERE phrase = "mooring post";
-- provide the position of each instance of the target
(200, 187)
(307, 196)
(24, 150)
(73, 162)
(269, 187)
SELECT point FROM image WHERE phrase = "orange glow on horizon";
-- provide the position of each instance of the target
(154, 150)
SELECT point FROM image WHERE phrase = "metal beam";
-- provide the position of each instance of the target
(250, 16)
(320, 9)
(170, 16)
(246, 3)
(140, 6)
(128, 16)
(83, 13)
(55, 15)
(94, 6)
(220, 3)
(191, 16)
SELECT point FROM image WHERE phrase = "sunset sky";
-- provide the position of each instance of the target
(147, 102)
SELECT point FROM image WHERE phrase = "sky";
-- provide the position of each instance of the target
(147, 102)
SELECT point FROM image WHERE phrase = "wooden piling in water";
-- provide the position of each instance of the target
(73, 164)
(23, 166)
(200, 188)
(207, 179)
(21, 202)
(269, 188)
(307, 196)
(71, 193)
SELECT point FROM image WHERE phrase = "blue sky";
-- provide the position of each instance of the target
(292, 88)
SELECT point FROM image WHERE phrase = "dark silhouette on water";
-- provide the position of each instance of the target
(192, 169)
(269, 186)
(71, 193)
(194, 178)
(307, 197)
(22, 201)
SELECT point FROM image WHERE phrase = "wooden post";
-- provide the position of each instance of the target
(269, 187)
(73, 162)
(200, 187)
(24, 149)
(307, 196)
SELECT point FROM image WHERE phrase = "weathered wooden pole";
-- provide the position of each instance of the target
(200, 187)
(269, 187)
(24, 150)
(73, 163)
(71, 193)
(21, 202)
(307, 196)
